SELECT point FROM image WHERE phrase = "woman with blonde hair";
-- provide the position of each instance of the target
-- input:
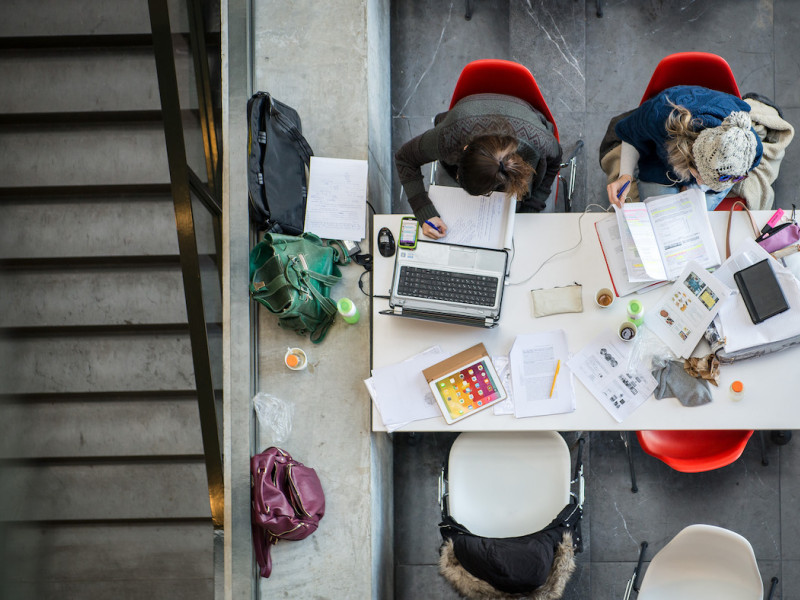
(488, 143)
(686, 136)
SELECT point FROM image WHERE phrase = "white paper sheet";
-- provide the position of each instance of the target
(400, 391)
(485, 222)
(682, 315)
(602, 367)
(734, 321)
(533, 359)
(336, 208)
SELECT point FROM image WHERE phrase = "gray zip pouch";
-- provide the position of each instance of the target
(553, 301)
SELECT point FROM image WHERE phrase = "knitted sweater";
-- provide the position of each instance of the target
(645, 127)
(471, 117)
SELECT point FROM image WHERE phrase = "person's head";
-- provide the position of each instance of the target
(717, 156)
(490, 163)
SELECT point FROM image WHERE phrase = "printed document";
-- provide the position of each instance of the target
(533, 360)
(482, 221)
(682, 315)
(667, 232)
(615, 245)
(336, 208)
(602, 366)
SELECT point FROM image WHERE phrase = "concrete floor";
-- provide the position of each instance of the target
(590, 69)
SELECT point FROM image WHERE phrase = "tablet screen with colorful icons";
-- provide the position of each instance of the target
(467, 390)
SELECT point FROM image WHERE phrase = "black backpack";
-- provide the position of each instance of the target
(277, 158)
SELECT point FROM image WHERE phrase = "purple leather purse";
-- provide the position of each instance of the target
(775, 239)
(286, 499)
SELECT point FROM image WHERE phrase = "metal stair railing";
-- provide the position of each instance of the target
(190, 193)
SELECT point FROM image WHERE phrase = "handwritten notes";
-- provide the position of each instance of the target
(337, 198)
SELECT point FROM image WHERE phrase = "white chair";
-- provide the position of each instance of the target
(510, 491)
(703, 562)
(506, 471)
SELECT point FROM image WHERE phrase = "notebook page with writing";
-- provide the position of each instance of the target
(479, 221)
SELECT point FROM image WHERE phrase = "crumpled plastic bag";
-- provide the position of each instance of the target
(274, 418)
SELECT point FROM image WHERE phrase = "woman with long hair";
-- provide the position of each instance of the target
(488, 143)
(686, 136)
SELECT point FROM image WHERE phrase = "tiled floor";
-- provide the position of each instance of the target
(590, 69)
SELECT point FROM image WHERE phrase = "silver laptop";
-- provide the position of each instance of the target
(448, 283)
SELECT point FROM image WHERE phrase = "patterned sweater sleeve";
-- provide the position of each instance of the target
(409, 160)
(547, 169)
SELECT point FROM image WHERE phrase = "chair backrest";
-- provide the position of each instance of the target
(695, 451)
(703, 562)
(494, 76)
(692, 68)
(492, 477)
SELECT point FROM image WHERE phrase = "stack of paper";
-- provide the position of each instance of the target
(400, 391)
(534, 367)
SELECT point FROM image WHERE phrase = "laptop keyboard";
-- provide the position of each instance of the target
(431, 284)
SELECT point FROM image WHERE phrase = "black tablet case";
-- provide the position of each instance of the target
(761, 291)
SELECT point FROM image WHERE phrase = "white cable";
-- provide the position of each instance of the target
(580, 233)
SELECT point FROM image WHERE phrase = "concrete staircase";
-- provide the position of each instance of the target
(103, 490)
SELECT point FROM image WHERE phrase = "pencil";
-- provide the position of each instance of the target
(552, 387)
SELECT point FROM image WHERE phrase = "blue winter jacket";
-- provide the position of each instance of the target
(645, 127)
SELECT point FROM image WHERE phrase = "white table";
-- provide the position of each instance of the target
(771, 398)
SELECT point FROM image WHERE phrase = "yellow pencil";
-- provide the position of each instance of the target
(552, 387)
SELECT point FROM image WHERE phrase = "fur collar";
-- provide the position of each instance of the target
(476, 589)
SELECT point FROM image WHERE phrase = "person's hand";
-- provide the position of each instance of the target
(432, 232)
(614, 187)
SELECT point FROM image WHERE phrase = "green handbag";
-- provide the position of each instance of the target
(292, 277)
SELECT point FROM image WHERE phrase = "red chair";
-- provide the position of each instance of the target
(495, 76)
(694, 68)
(692, 451)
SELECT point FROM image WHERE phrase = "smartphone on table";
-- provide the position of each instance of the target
(409, 232)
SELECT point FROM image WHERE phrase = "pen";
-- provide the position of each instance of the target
(432, 225)
(552, 387)
(623, 188)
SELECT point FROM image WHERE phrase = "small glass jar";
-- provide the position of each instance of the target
(736, 391)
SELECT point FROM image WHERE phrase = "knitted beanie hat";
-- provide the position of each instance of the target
(728, 149)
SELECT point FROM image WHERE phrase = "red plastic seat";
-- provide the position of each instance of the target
(694, 68)
(495, 76)
(695, 451)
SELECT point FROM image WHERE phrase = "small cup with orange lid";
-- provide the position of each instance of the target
(295, 359)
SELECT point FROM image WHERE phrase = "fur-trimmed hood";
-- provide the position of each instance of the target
(476, 589)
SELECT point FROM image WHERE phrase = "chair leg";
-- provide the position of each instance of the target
(780, 438)
(763, 444)
(773, 585)
(599, 6)
(569, 185)
(626, 439)
(468, 10)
